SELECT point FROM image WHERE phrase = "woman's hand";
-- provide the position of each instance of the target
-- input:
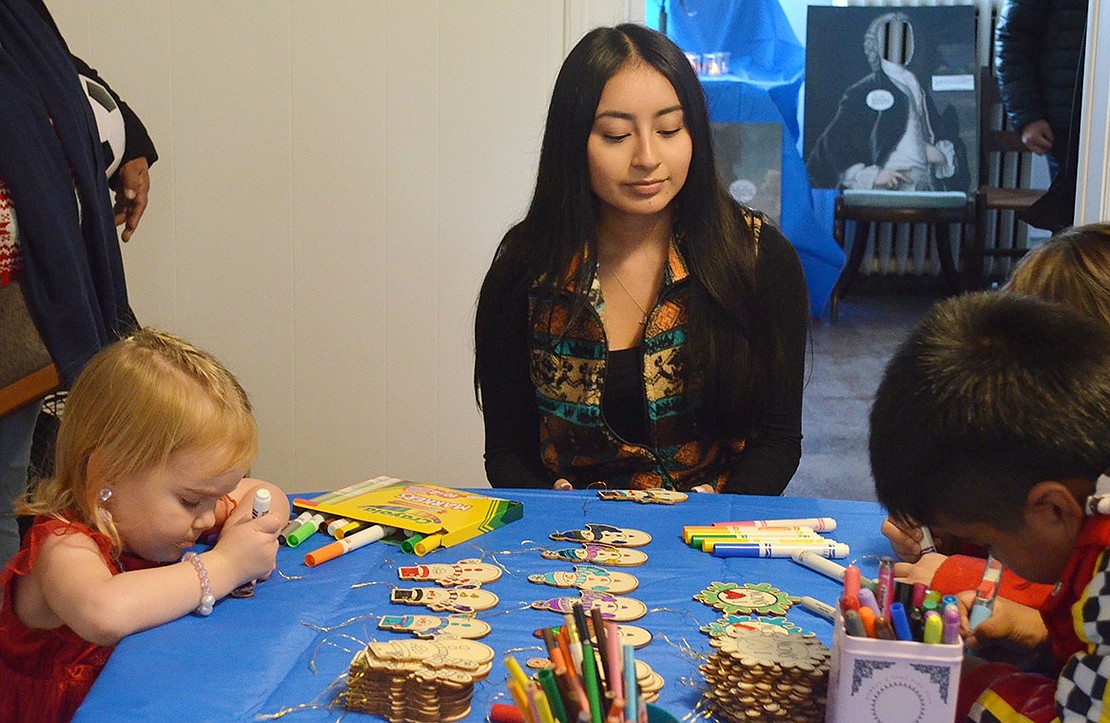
(704, 489)
(562, 484)
(921, 571)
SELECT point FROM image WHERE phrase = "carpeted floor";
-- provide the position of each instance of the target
(846, 363)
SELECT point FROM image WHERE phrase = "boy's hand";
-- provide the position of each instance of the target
(1010, 624)
(905, 541)
(921, 571)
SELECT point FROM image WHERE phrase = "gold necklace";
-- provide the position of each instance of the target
(643, 311)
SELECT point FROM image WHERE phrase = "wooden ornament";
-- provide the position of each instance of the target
(589, 577)
(464, 572)
(432, 626)
(455, 600)
(605, 535)
(598, 555)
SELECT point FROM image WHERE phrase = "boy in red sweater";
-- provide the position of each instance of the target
(990, 424)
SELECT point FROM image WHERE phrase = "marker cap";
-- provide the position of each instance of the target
(325, 553)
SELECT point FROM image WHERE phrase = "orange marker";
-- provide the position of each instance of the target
(867, 615)
(351, 542)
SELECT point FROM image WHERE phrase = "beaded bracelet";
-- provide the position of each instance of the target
(207, 601)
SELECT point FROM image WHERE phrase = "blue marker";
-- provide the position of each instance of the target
(900, 622)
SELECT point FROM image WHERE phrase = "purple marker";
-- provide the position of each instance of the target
(866, 597)
(951, 634)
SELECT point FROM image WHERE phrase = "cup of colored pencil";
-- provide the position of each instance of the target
(591, 679)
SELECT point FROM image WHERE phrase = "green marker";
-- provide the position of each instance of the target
(305, 531)
(410, 542)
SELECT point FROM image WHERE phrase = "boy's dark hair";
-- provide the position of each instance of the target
(991, 394)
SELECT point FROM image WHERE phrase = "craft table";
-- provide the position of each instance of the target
(290, 646)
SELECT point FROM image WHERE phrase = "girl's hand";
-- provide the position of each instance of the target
(1010, 624)
(905, 541)
(562, 484)
(921, 571)
(249, 546)
(704, 489)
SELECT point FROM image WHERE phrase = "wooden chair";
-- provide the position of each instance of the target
(938, 210)
(1003, 169)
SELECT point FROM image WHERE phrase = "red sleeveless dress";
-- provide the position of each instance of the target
(45, 674)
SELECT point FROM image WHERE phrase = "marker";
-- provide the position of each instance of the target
(348, 529)
(851, 582)
(867, 617)
(826, 567)
(883, 629)
(428, 544)
(867, 600)
(817, 607)
(292, 525)
(411, 542)
(951, 618)
(305, 531)
(259, 506)
(342, 547)
(927, 543)
(986, 594)
(335, 525)
(934, 628)
(819, 524)
(774, 549)
(900, 622)
(884, 588)
(707, 544)
(853, 624)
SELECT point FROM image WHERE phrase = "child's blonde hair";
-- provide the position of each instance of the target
(1073, 268)
(135, 404)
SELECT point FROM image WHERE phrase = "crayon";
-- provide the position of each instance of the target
(520, 699)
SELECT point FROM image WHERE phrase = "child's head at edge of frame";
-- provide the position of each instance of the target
(137, 403)
(1072, 267)
(990, 423)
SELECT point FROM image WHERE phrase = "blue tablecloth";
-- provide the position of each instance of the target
(283, 649)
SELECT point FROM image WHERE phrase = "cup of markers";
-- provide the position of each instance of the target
(905, 637)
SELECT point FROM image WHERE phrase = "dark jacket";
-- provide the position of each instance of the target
(1038, 60)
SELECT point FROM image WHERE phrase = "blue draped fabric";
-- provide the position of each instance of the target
(766, 71)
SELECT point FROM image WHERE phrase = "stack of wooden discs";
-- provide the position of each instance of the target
(760, 676)
(417, 681)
